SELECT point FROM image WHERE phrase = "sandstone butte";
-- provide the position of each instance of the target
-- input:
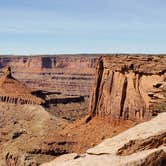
(128, 87)
(13, 91)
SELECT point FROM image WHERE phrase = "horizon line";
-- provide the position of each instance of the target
(77, 54)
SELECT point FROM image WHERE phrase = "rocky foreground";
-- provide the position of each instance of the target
(24, 136)
(144, 144)
(30, 136)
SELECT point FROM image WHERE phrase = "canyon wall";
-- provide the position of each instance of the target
(63, 81)
(128, 87)
(54, 73)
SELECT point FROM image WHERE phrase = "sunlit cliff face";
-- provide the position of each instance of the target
(126, 86)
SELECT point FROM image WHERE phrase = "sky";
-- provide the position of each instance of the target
(82, 26)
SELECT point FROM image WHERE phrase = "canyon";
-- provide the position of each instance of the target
(54, 73)
(84, 100)
(64, 82)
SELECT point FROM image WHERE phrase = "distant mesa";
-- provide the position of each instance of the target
(15, 92)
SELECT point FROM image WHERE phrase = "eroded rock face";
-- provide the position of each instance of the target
(72, 75)
(13, 91)
(64, 82)
(128, 87)
(143, 144)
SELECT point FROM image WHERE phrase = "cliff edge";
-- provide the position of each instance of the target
(128, 87)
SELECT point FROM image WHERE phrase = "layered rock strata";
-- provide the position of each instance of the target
(13, 91)
(63, 81)
(128, 87)
(67, 74)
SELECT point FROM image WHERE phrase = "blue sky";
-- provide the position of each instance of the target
(82, 26)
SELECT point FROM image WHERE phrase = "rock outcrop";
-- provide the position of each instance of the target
(144, 144)
(128, 87)
(13, 91)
